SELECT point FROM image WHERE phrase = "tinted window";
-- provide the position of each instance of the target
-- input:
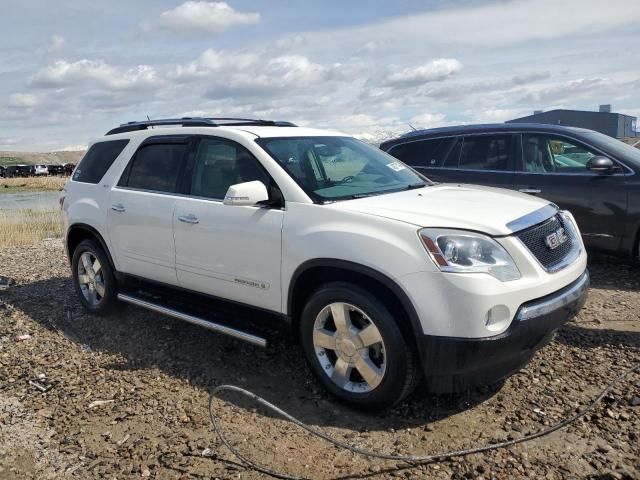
(548, 154)
(220, 164)
(424, 153)
(97, 161)
(155, 167)
(487, 152)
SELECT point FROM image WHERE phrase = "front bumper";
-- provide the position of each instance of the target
(457, 364)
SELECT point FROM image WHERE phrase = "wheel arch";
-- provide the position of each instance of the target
(312, 273)
(81, 231)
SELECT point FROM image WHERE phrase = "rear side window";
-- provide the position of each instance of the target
(487, 152)
(155, 167)
(97, 161)
(425, 153)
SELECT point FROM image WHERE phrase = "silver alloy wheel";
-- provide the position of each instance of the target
(90, 278)
(349, 347)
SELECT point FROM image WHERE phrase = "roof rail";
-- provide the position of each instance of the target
(198, 122)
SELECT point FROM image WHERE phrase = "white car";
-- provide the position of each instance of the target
(386, 277)
(41, 170)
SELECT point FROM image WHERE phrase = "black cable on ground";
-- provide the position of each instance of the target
(410, 459)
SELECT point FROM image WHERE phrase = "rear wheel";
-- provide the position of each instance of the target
(356, 348)
(93, 278)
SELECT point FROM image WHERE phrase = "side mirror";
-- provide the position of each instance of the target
(600, 164)
(246, 194)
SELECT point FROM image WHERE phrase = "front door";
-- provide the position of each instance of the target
(554, 168)
(141, 210)
(227, 251)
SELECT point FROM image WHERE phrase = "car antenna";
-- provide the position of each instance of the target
(149, 121)
(412, 127)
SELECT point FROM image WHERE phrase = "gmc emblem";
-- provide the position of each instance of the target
(555, 239)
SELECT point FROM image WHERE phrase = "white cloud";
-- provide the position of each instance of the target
(23, 101)
(427, 120)
(72, 148)
(569, 90)
(9, 141)
(202, 17)
(497, 115)
(434, 71)
(56, 42)
(491, 24)
(245, 74)
(61, 74)
(530, 77)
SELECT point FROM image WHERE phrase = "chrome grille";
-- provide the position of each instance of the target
(534, 240)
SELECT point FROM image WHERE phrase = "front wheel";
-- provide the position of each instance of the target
(93, 278)
(355, 347)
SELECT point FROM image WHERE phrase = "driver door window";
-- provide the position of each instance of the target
(220, 164)
(547, 154)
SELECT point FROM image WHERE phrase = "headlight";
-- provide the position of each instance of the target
(468, 252)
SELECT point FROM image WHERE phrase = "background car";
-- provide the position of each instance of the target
(3, 171)
(11, 171)
(41, 170)
(24, 170)
(55, 169)
(68, 168)
(594, 176)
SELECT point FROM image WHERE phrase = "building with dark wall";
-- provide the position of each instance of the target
(613, 124)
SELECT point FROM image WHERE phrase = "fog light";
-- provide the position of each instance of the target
(497, 318)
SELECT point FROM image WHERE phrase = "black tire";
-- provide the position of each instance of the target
(108, 302)
(400, 375)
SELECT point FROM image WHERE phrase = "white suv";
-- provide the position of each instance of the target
(385, 276)
(41, 170)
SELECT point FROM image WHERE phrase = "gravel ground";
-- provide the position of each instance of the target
(127, 395)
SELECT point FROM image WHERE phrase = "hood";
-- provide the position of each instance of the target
(466, 207)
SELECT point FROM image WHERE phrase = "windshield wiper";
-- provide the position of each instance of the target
(413, 186)
(364, 195)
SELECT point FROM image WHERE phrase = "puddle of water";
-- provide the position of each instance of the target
(29, 200)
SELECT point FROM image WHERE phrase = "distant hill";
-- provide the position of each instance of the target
(33, 158)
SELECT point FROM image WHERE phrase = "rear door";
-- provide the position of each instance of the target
(482, 159)
(554, 167)
(432, 157)
(488, 159)
(141, 209)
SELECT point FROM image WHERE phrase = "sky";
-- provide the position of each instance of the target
(70, 70)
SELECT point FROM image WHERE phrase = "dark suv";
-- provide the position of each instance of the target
(594, 176)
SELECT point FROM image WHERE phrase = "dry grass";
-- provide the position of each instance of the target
(28, 227)
(12, 185)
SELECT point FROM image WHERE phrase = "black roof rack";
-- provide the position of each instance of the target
(198, 122)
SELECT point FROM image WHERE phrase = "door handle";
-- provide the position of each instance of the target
(532, 191)
(118, 207)
(189, 219)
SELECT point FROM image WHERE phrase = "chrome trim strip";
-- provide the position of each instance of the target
(518, 172)
(232, 332)
(599, 235)
(533, 218)
(556, 301)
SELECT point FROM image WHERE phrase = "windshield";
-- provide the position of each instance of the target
(616, 147)
(339, 168)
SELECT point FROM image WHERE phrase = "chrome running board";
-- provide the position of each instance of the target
(201, 322)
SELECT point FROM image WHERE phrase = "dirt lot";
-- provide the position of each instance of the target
(154, 374)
